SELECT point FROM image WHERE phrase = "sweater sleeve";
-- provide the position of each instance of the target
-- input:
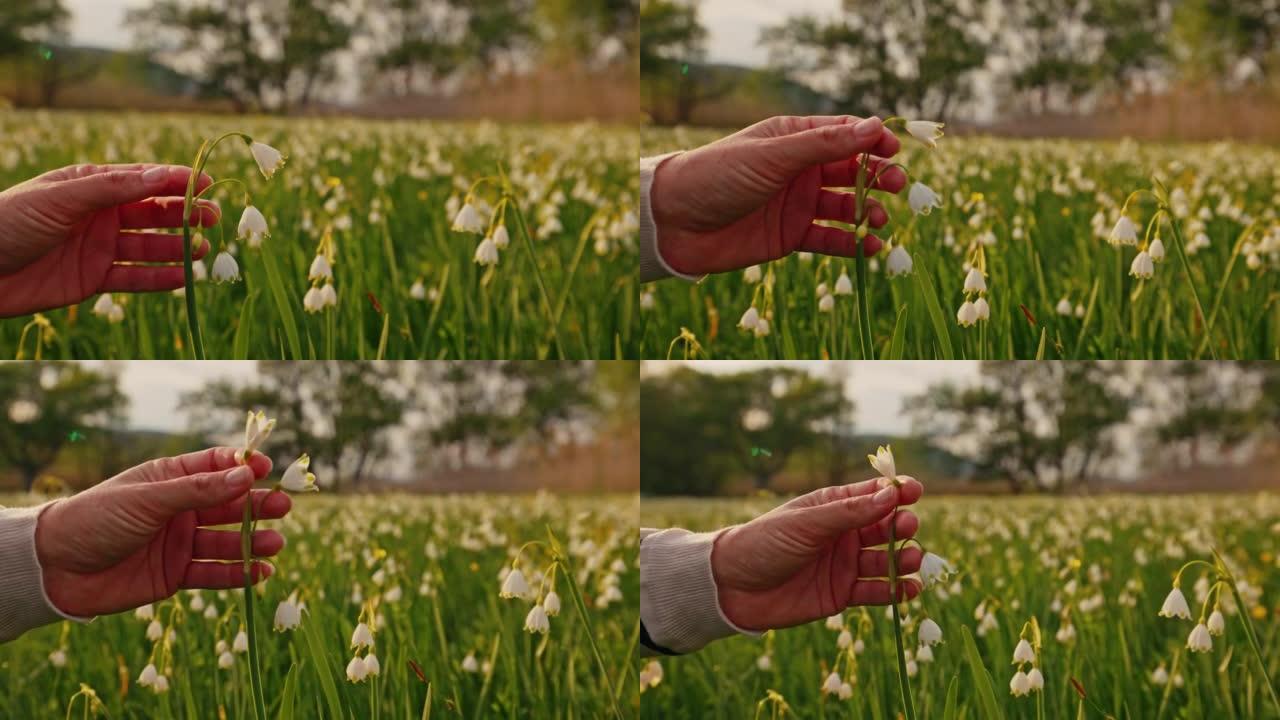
(24, 605)
(679, 606)
(652, 266)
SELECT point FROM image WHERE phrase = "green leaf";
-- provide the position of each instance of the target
(323, 670)
(981, 679)
(940, 328)
(287, 695)
(282, 304)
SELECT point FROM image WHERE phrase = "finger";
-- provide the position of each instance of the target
(843, 206)
(166, 212)
(876, 592)
(154, 247)
(824, 144)
(209, 460)
(826, 240)
(844, 173)
(143, 278)
(878, 534)
(222, 576)
(855, 512)
(875, 563)
(267, 505)
(225, 544)
(777, 126)
(95, 187)
(201, 490)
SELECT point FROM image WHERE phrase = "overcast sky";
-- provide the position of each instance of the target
(878, 388)
(100, 23)
(733, 26)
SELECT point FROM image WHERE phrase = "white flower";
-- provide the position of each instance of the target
(146, 612)
(362, 637)
(320, 269)
(469, 663)
(1124, 233)
(313, 300)
(845, 639)
(934, 569)
(844, 286)
(651, 675)
(832, 684)
(418, 291)
(845, 692)
(827, 303)
(1064, 307)
(1023, 652)
(501, 238)
(257, 428)
(924, 654)
(974, 282)
(1020, 684)
(468, 220)
(58, 658)
(155, 631)
(752, 274)
(514, 586)
(104, 305)
(899, 262)
(1175, 605)
(1199, 640)
(764, 662)
(552, 604)
(536, 621)
(967, 315)
(371, 665)
(926, 131)
(297, 479)
(161, 685)
(1156, 250)
(241, 644)
(328, 296)
(1217, 624)
(288, 614)
(268, 158)
(930, 631)
(1036, 679)
(487, 252)
(1160, 676)
(1143, 267)
(884, 464)
(981, 310)
(762, 327)
(922, 199)
(356, 671)
(750, 319)
(226, 660)
(225, 268)
(253, 228)
(148, 676)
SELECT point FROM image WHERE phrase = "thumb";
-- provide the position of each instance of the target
(824, 144)
(117, 187)
(202, 490)
(851, 513)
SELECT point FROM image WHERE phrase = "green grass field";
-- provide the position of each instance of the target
(429, 569)
(1035, 215)
(1102, 565)
(386, 190)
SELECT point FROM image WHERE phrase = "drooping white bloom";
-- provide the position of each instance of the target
(1124, 232)
(1175, 605)
(328, 296)
(1199, 639)
(241, 643)
(1156, 250)
(146, 612)
(967, 315)
(487, 252)
(313, 300)
(252, 228)
(845, 639)
(1064, 307)
(297, 479)
(514, 586)
(1217, 624)
(924, 654)
(764, 663)
(831, 685)
(1023, 652)
(749, 319)
(1036, 679)
(1020, 684)
(58, 658)
(926, 131)
(1160, 676)
(884, 464)
(161, 685)
(320, 269)
(268, 158)
(362, 637)
(934, 569)
(155, 631)
(844, 286)
(226, 660)
(468, 220)
(469, 663)
(225, 268)
(1143, 267)
(501, 238)
(651, 675)
(981, 310)
(148, 676)
(536, 621)
(827, 303)
(752, 275)
(356, 671)
(418, 291)
(762, 327)
(930, 631)
(845, 692)
(922, 199)
(552, 604)
(371, 665)
(899, 262)
(288, 614)
(974, 281)
(103, 306)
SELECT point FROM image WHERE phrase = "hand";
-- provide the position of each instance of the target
(63, 234)
(140, 537)
(753, 196)
(805, 560)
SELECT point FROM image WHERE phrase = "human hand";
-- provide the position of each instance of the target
(140, 536)
(752, 197)
(806, 560)
(65, 235)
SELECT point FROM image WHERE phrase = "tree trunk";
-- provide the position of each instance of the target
(29, 475)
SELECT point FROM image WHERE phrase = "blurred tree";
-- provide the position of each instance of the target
(903, 58)
(687, 445)
(576, 29)
(25, 24)
(1034, 424)
(1202, 404)
(47, 406)
(672, 44)
(1220, 40)
(340, 412)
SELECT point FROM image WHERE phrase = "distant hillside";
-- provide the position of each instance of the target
(100, 78)
(738, 95)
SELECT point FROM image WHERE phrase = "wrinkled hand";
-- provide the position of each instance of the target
(807, 559)
(70, 234)
(140, 536)
(753, 196)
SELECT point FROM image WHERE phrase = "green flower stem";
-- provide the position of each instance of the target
(860, 261)
(1191, 283)
(548, 306)
(246, 548)
(561, 559)
(1247, 624)
(904, 682)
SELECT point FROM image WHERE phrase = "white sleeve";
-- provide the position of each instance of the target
(652, 266)
(23, 601)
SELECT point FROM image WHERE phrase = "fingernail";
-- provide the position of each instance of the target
(885, 496)
(240, 476)
(868, 127)
(155, 177)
